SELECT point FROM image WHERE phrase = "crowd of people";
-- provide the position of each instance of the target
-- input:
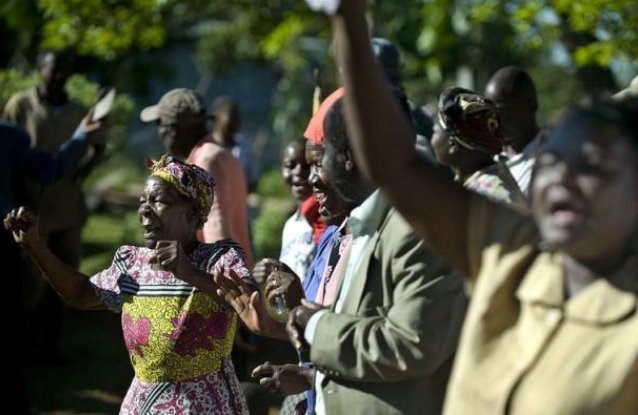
(471, 262)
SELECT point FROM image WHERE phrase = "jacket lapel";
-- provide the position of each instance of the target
(359, 277)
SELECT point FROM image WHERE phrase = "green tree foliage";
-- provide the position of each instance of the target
(436, 37)
(277, 205)
(595, 33)
(104, 29)
(610, 26)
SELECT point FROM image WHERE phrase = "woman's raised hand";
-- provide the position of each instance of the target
(23, 225)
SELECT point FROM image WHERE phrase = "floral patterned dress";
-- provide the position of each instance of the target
(497, 184)
(179, 339)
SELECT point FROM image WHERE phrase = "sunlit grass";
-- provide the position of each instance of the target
(103, 234)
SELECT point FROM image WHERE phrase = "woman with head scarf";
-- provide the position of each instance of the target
(468, 138)
(177, 331)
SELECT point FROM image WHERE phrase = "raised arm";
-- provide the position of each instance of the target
(383, 143)
(73, 287)
(42, 166)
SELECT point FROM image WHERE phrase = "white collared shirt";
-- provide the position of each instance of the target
(522, 164)
(297, 244)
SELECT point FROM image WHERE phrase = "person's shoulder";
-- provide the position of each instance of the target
(395, 227)
(24, 95)
(128, 250)
(212, 152)
(226, 164)
(226, 156)
(19, 100)
(126, 255)
(226, 250)
(220, 246)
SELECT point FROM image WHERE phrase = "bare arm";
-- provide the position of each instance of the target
(73, 287)
(383, 143)
(246, 301)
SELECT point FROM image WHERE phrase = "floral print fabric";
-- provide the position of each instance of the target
(179, 339)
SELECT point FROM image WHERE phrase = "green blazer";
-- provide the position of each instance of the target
(390, 349)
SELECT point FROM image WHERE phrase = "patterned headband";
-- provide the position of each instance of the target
(189, 180)
(473, 121)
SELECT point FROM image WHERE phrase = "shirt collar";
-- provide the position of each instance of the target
(605, 301)
(531, 150)
(543, 283)
(367, 217)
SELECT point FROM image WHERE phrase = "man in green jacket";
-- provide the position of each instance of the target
(387, 343)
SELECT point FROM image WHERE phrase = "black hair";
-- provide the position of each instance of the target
(523, 84)
(300, 141)
(387, 56)
(61, 57)
(335, 130)
(225, 103)
(518, 82)
(622, 115)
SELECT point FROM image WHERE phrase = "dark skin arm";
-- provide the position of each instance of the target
(170, 256)
(267, 266)
(285, 285)
(246, 301)
(285, 379)
(383, 144)
(278, 280)
(73, 287)
(97, 156)
(296, 325)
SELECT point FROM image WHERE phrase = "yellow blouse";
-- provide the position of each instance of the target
(525, 349)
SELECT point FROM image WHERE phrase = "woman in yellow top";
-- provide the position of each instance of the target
(552, 327)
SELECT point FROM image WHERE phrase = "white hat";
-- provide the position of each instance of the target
(630, 92)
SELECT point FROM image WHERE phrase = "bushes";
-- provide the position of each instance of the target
(276, 207)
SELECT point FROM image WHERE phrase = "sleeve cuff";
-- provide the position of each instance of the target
(79, 133)
(311, 327)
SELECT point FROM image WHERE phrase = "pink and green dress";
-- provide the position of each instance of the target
(179, 339)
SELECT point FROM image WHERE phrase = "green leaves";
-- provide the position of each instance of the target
(103, 29)
(606, 27)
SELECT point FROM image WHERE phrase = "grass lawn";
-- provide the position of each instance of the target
(95, 371)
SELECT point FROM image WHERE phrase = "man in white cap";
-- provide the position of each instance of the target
(181, 122)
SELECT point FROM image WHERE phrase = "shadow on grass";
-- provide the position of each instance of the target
(93, 374)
